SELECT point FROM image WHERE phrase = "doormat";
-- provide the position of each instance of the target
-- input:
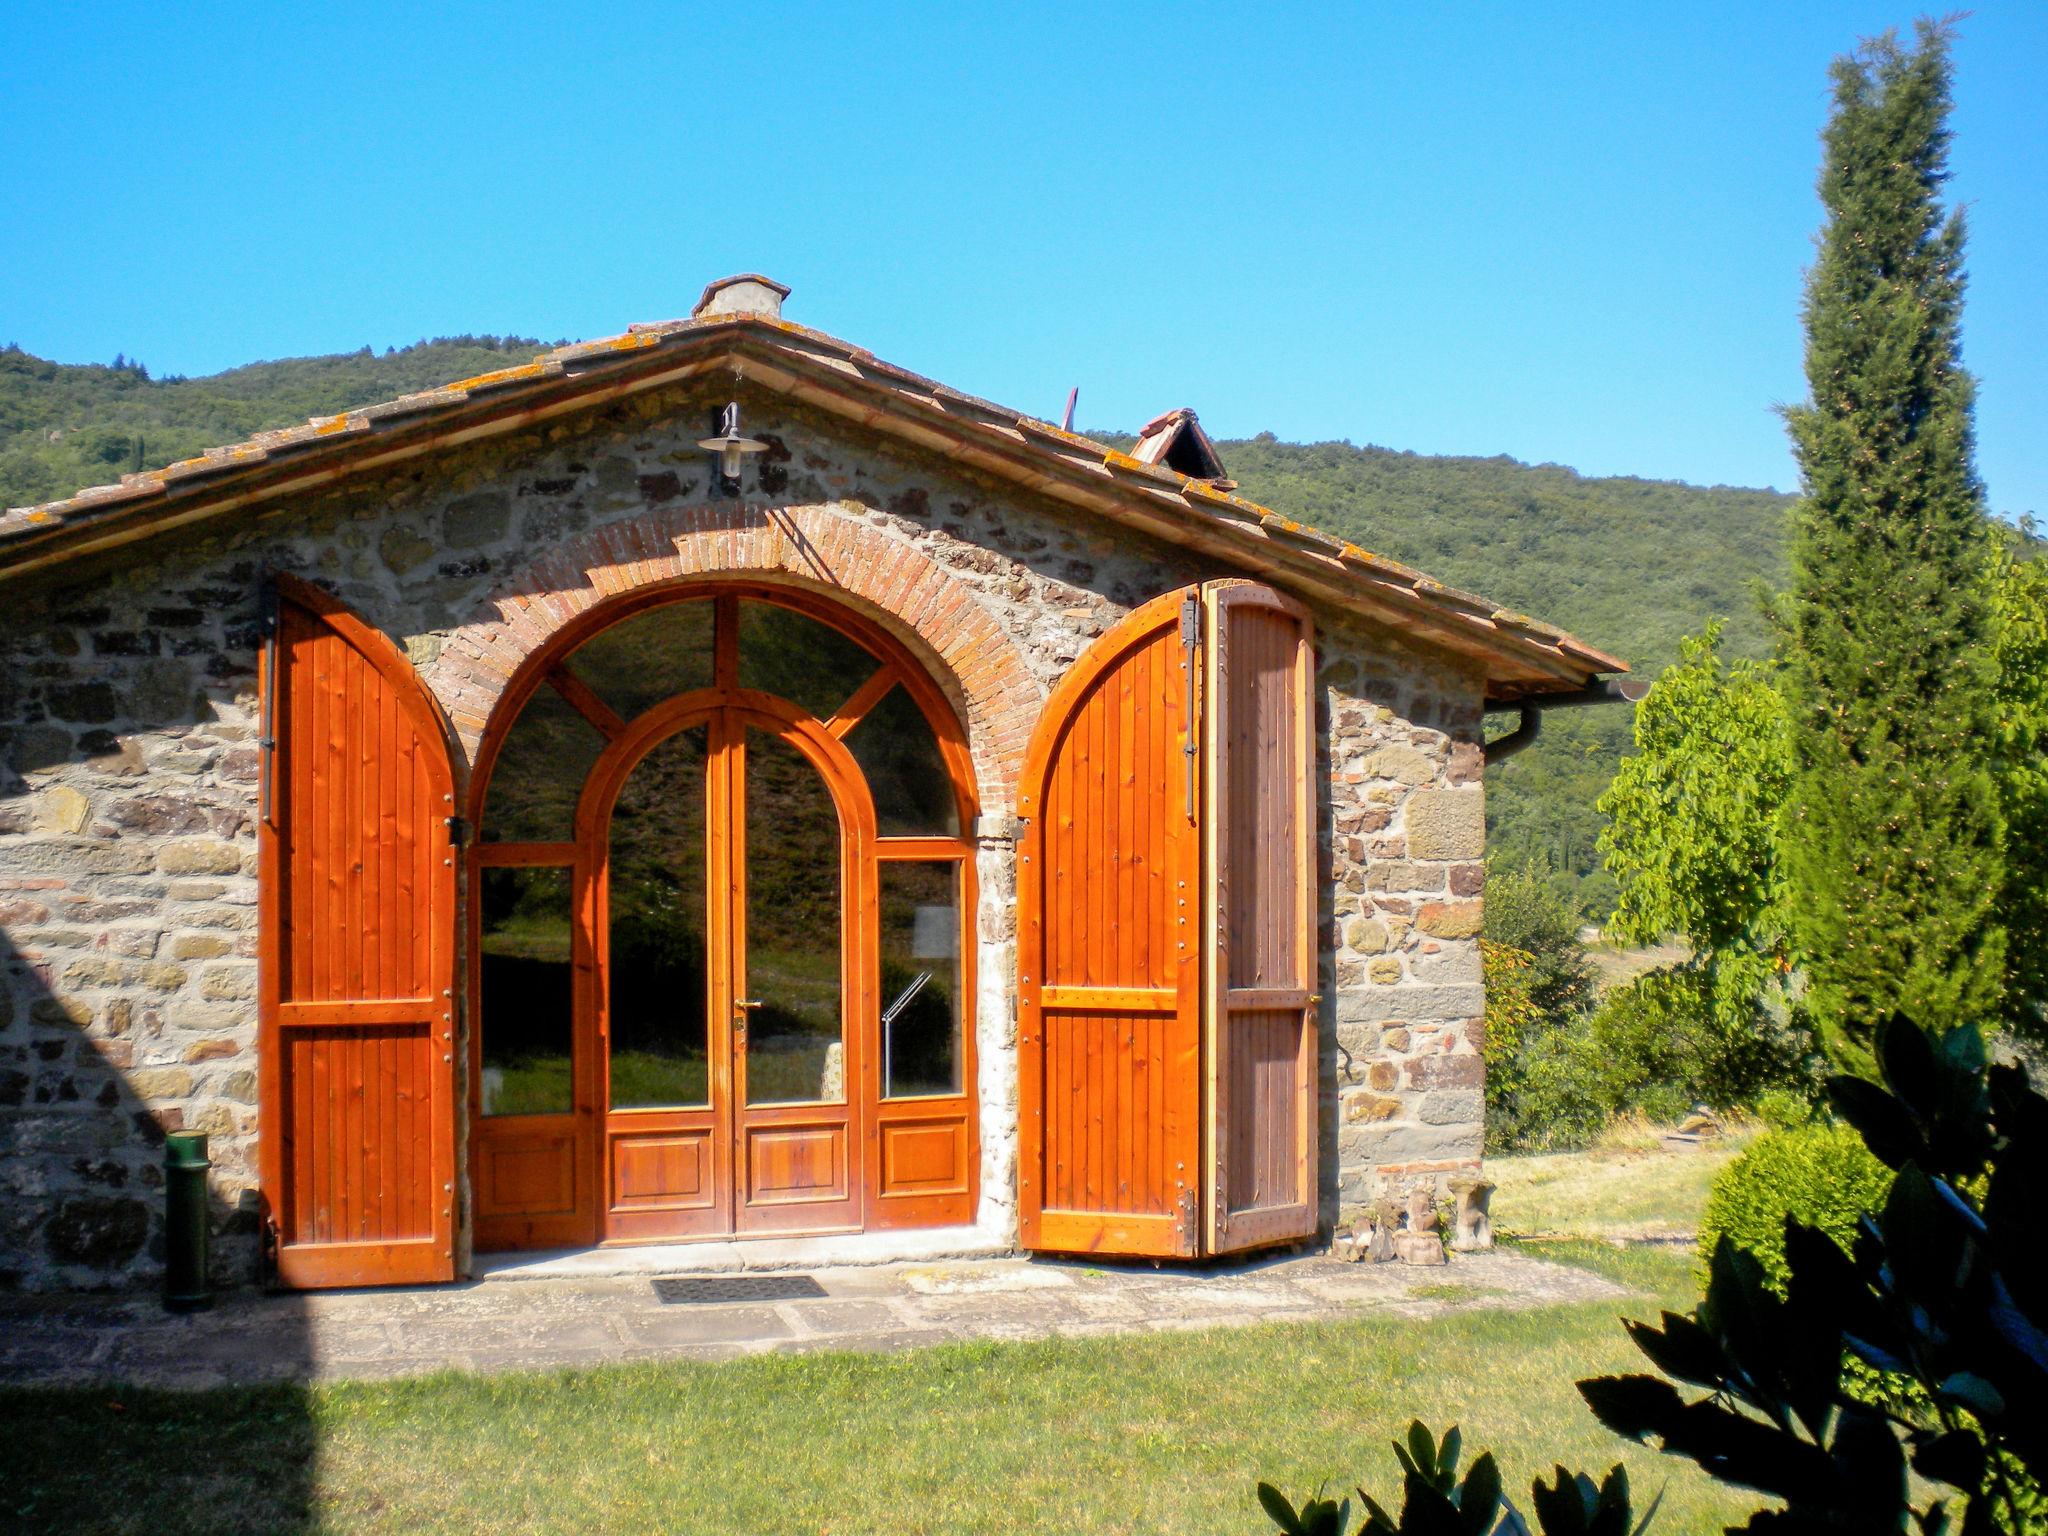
(738, 1288)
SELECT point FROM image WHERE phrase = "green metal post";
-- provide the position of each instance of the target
(185, 1222)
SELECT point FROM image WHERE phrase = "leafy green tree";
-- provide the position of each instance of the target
(1692, 841)
(1893, 861)
(1539, 987)
(1526, 911)
(2022, 649)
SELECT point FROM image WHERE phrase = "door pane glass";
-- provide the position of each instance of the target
(650, 657)
(795, 1047)
(659, 1003)
(921, 1004)
(899, 755)
(547, 755)
(526, 1015)
(792, 655)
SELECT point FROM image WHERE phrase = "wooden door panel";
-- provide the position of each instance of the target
(1109, 1039)
(788, 1164)
(1262, 1044)
(527, 1175)
(1109, 1138)
(654, 803)
(663, 1172)
(924, 1157)
(360, 1101)
(800, 830)
(1264, 1066)
(357, 912)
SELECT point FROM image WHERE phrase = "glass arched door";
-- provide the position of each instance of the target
(721, 977)
(730, 1007)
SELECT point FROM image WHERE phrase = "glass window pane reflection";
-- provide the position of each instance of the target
(899, 756)
(525, 963)
(921, 1002)
(659, 1002)
(794, 656)
(795, 1045)
(539, 773)
(648, 658)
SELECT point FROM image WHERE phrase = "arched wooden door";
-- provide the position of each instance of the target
(1167, 1040)
(1109, 881)
(357, 933)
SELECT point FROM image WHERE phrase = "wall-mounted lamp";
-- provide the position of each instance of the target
(731, 448)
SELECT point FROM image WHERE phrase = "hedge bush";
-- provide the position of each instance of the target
(1821, 1174)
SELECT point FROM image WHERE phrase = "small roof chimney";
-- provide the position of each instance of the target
(747, 294)
(1177, 441)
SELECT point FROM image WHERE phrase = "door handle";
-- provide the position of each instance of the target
(741, 1007)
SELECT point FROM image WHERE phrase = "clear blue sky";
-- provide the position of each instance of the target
(1564, 232)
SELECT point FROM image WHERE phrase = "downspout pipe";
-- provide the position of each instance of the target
(1610, 690)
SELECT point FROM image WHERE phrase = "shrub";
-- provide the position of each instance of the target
(1941, 1290)
(1783, 1109)
(1526, 912)
(1820, 1175)
(1435, 1501)
(1561, 1101)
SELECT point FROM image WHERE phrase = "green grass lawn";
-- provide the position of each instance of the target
(1629, 1187)
(1155, 1434)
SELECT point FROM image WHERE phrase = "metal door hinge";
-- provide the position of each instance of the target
(266, 733)
(459, 831)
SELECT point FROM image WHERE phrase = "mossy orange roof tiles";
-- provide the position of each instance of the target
(1519, 656)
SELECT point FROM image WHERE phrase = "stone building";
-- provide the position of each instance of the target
(710, 783)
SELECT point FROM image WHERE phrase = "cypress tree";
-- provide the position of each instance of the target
(1893, 833)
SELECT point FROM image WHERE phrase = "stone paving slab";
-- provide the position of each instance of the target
(505, 1325)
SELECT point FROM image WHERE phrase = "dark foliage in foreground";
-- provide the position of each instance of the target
(1435, 1501)
(1943, 1289)
(1942, 1296)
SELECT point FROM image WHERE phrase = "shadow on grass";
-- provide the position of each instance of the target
(114, 1460)
(82, 1204)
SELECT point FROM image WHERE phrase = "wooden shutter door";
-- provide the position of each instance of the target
(1261, 1051)
(357, 938)
(1109, 1038)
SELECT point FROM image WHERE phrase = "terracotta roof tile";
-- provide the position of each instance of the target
(1521, 656)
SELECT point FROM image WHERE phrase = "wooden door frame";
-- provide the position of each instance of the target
(411, 1262)
(885, 1207)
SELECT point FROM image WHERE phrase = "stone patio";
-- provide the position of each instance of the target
(509, 1322)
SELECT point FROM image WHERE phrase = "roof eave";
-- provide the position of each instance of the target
(1520, 657)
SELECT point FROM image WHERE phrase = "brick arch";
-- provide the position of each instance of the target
(819, 548)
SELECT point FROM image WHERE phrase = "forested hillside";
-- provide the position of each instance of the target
(63, 426)
(1629, 565)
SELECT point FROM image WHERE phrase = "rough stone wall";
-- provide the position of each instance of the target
(127, 798)
(1404, 841)
(127, 921)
